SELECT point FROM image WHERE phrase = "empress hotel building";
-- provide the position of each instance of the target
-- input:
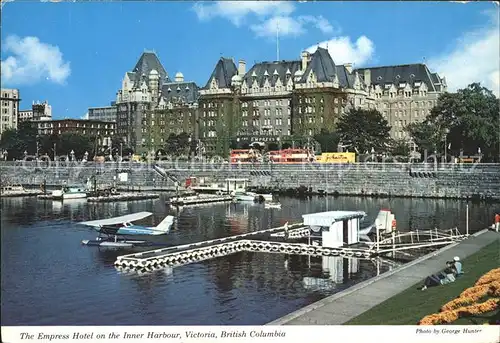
(269, 101)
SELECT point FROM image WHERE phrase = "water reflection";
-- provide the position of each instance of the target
(47, 273)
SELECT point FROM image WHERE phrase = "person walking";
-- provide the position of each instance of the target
(497, 222)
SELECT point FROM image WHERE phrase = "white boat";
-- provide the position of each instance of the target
(70, 192)
(272, 205)
(16, 190)
(244, 196)
(241, 195)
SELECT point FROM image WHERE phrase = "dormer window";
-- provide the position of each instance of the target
(379, 78)
(178, 88)
(187, 88)
(398, 76)
(412, 75)
(169, 90)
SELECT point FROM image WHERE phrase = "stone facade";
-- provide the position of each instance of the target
(480, 181)
(404, 94)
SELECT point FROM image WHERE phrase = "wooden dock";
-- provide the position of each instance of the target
(124, 197)
(110, 198)
(199, 199)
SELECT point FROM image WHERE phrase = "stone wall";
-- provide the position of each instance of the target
(389, 179)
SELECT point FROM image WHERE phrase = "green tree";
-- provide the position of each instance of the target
(400, 148)
(327, 140)
(77, 143)
(17, 142)
(467, 120)
(425, 136)
(364, 130)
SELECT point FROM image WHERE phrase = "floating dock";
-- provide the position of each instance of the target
(124, 197)
(199, 199)
(110, 198)
(26, 193)
(252, 241)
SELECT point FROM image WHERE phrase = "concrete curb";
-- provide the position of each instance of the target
(330, 299)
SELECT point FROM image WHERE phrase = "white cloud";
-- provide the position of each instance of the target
(343, 50)
(31, 61)
(236, 11)
(267, 14)
(474, 58)
(290, 26)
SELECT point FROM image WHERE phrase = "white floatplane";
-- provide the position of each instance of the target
(109, 230)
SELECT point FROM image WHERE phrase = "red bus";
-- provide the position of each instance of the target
(291, 156)
(244, 156)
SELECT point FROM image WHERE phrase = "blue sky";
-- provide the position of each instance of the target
(75, 54)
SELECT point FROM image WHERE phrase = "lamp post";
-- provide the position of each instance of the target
(479, 153)
(373, 154)
(25, 154)
(86, 156)
(72, 154)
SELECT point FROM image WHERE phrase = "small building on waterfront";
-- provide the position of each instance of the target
(337, 228)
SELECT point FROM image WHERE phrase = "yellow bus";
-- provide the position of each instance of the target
(336, 157)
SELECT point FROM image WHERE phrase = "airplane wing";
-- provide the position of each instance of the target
(117, 220)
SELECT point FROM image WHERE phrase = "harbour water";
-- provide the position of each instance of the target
(49, 278)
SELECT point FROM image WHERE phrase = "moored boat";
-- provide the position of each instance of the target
(69, 192)
(272, 205)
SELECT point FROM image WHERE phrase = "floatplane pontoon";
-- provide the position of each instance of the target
(109, 230)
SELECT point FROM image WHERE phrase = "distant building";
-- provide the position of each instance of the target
(39, 111)
(271, 102)
(151, 106)
(25, 115)
(9, 109)
(106, 113)
(275, 99)
(94, 128)
(404, 94)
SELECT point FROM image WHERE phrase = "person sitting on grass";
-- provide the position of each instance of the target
(441, 278)
(457, 265)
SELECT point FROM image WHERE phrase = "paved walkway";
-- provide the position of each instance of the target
(344, 306)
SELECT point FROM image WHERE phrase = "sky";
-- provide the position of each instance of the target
(75, 54)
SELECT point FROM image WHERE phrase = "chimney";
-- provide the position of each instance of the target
(241, 67)
(348, 66)
(368, 77)
(305, 60)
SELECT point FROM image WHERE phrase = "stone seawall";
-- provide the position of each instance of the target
(479, 181)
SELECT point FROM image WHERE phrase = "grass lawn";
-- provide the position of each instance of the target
(411, 305)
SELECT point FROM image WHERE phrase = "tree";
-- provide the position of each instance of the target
(327, 140)
(425, 136)
(467, 120)
(400, 148)
(17, 142)
(364, 130)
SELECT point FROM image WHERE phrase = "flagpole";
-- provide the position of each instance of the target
(277, 40)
